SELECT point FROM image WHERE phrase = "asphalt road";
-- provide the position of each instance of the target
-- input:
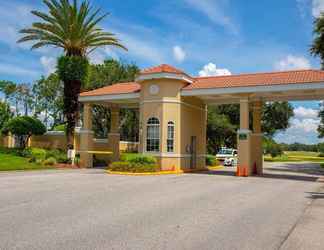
(88, 209)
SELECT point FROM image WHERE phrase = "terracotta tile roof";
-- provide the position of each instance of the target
(115, 89)
(231, 81)
(257, 79)
(163, 68)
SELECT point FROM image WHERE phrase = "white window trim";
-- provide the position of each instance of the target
(157, 125)
(170, 124)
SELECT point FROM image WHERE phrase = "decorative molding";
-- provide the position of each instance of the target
(173, 155)
(174, 76)
(167, 100)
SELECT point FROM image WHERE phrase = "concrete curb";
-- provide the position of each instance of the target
(164, 172)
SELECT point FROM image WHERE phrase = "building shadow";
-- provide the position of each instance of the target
(271, 173)
(309, 169)
(315, 195)
(288, 177)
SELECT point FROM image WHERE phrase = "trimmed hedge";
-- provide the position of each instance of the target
(122, 166)
(135, 164)
(211, 161)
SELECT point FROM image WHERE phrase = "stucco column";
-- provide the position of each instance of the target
(86, 138)
(244, 138)
(257, 108)
(256, 144)
(114, 136)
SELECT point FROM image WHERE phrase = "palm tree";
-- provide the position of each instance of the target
(74, 28)
(317, 48)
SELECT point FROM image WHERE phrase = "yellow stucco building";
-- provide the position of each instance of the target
(173, 112)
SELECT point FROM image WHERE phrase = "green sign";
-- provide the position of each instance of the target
(242, 137)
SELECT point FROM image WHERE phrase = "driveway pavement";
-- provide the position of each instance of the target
(88, 209)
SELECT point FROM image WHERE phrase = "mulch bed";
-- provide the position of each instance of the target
(67, 166)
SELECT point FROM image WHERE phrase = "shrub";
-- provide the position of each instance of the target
(37, 154)
(59, 155)
(211, 161)
(272, 148)
(275, 150)
(50, 161)
(142, 159)
(133, 167)
(61, 128)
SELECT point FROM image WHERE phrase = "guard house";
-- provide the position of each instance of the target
(173, 112)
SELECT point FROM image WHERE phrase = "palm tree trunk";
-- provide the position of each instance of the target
(71, 109)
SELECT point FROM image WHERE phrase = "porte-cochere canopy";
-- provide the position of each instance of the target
(173, 97)
(271, 86)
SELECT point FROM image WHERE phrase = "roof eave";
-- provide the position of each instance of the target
(252, 89)
(109, 97)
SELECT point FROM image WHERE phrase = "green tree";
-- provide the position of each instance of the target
(8, 88)
(272, 148)
(276, 117)
(24, 127)
(108, 73)
(49, 99)
(224, 120)
(317, 50)
(220, 131)
(317, 47)
(74, 28)
(5, 114)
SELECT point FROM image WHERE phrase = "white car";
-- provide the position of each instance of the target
(230, 162)
(228, 155)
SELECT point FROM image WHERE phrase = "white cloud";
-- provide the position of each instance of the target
(141, 47)
(302, 7)
(179, 54)
(210, 69)
(303, 113)
(303, 127)
(301, 130)
(13, 70)
(13, 17)
(100, 55)
(49, 64)
(317, 7)
(215, 12)
(292, 62)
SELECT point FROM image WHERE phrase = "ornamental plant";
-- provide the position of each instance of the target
(24, 127)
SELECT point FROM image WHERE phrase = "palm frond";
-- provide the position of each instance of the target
(70, 26)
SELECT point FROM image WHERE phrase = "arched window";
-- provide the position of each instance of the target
(153, 135)
(170, 139)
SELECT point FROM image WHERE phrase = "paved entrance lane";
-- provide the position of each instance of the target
(87, 209)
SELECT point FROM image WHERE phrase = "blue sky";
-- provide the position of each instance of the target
(206, 37)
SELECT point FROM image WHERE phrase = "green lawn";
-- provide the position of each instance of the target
(9, 162)
(296, 156)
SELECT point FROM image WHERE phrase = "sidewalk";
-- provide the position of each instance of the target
(309, 230)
